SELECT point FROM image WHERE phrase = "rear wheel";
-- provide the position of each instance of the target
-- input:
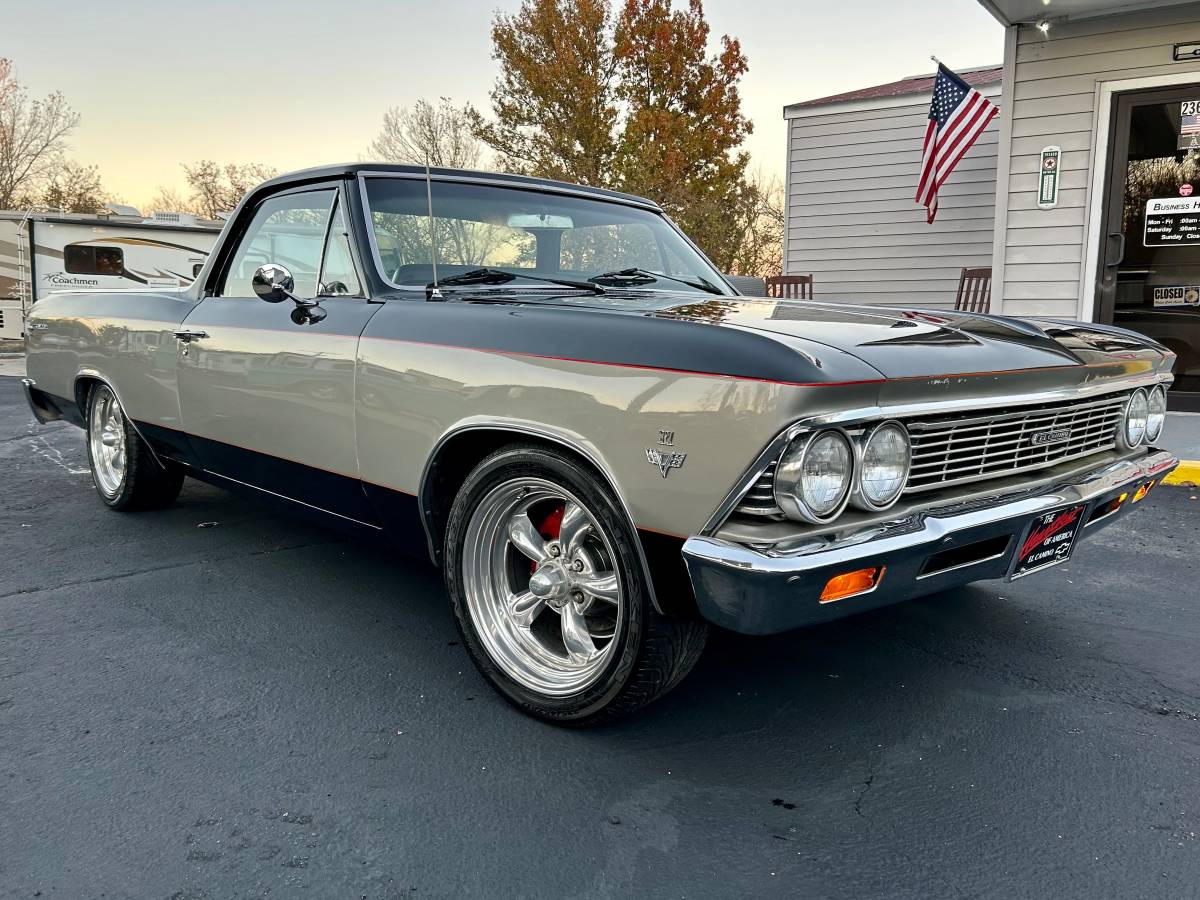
(126, 474)
(549, 594)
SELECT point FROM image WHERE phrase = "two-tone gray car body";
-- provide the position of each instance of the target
(679, 401)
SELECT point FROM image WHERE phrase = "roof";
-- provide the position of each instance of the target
(366, 168)
(1014, 12)
(922, 84)
(114, 221)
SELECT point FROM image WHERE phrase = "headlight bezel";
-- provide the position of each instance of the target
(1123, 435)
(1156, 392)
(859, 498)
(788, 489)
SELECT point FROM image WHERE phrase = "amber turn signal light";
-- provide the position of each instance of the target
(839, 587)
(1142, 491)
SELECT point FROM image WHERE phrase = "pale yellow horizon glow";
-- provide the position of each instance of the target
(302, 83)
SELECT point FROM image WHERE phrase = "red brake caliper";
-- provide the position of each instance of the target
(549, 528)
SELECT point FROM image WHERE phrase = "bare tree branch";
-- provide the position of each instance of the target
(32, 137)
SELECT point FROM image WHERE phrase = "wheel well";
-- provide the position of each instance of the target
(84, 385)
(458, 456)
(672, 594)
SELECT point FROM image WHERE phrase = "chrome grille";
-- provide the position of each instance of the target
(961, 448)
(760, 499)
(950, 450)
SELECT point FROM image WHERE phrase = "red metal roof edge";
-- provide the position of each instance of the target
(920, 85)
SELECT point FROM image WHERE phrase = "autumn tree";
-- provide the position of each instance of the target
(554, 104)
(33, 137)
(634, 102)
(441, 135)
(684, 126)
(218, 188)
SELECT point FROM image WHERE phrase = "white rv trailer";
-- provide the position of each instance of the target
(42, 252)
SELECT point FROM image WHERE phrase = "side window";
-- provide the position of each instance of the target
(287, 230)
(338, 276)
(88, 259)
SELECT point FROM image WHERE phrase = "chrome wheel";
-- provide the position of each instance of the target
(106, 437)
(540, 582)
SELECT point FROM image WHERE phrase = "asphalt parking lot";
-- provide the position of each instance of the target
(221, 701)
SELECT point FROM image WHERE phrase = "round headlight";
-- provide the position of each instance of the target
(1137, 411)
(812, 481)
(884, 470)
(1157, 416)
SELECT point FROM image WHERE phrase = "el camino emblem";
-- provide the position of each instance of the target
(666, 460)
(1056, 436)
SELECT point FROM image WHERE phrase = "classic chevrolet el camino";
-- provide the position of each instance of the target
(551, 392)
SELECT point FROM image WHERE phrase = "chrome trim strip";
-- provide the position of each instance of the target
(565, 190)
(533, 431)
(549, 188)
(264, 490)
(966, 565)
(931, 526)
(851, 417)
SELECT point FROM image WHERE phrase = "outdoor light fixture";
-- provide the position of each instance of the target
(1043, 26)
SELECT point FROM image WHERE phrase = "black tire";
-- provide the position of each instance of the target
(145, 483)
(651, 653)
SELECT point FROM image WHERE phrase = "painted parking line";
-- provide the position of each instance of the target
(1187, 473)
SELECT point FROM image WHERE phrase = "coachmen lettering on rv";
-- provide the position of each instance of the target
(553, 394)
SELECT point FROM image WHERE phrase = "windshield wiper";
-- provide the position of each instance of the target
(500, 276)
(700, 284)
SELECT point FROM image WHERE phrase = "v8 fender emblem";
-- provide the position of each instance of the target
(666, 460)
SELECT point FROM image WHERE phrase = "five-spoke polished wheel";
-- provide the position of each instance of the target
(106, 438)
(540, 580)
(551, 593)
(125, 471)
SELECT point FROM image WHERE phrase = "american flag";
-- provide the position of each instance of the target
(957, 116)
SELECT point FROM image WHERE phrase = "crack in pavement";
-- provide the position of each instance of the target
(858, 801)
(1012, 674)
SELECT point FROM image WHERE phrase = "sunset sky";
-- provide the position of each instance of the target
(303, 82)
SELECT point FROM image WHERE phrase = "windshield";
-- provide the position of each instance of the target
(528, 234)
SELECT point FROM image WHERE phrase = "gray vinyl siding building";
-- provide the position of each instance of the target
(1061, 83)
(852, 223)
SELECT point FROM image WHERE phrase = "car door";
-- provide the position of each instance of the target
(267, 389)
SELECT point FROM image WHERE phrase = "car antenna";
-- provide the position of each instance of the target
(434, 293)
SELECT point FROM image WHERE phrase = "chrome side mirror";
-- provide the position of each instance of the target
(274, 283)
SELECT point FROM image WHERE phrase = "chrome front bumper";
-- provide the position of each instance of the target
(764, 591)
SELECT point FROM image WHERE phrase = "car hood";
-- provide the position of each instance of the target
(907, 343)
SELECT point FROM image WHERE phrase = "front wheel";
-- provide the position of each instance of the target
(126, 474)
(549, 595)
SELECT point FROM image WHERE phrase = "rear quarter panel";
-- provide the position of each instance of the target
(125, 337)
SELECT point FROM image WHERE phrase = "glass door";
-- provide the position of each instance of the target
(1149, 279)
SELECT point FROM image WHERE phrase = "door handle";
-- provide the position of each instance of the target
(1109, 261)
(190, 334)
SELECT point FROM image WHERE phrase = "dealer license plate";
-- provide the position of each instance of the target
(1048, 541)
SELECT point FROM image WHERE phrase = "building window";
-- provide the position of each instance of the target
(84, 259)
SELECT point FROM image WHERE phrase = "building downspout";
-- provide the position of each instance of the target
(1003, 164)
